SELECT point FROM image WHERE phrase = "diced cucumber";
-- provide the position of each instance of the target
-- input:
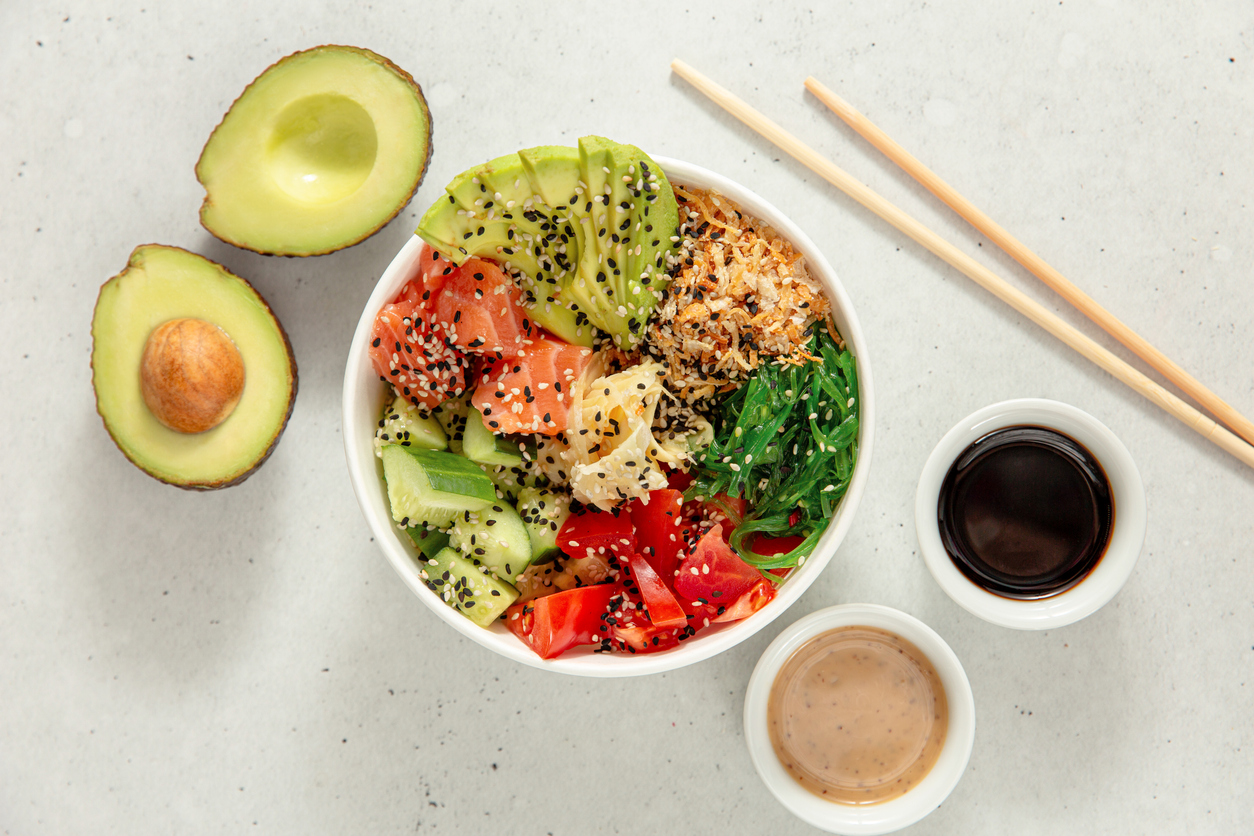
(543, 511)
(480, 444)
(404, 424)
(455, 578)
(510, 480)
(452, 416)
(431, 487)
(428, 541)
(494, 536)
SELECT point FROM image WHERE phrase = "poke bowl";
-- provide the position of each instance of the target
(366, 396)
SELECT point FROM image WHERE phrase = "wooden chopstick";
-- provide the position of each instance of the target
(968, 266)
(1034, 263)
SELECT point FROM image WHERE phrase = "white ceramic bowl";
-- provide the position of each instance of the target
(1110, 573)
(863, 819)
(365, 396)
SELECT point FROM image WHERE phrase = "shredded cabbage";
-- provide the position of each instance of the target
(610, 454)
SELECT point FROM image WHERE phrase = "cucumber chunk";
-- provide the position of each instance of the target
(455, 578)
(543, 511)
(426, 540)
(494, 536)
(480, 444)
(510, 480)
(431, 487)
(452, 416)
(404, 424)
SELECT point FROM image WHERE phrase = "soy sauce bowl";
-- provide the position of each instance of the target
(885, 816)
(1127, 535)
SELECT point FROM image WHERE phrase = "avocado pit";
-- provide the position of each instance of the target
(191, 375)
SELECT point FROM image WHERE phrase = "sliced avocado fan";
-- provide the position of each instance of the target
(587, 231)
(318, 153)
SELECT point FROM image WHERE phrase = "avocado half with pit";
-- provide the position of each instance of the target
(194, 376)
(317, 154)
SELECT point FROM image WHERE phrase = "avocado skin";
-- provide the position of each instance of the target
(135, 259)
(403, 201)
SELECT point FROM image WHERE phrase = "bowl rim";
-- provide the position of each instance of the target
(1127, 537)
(366, 479)
(886, 816)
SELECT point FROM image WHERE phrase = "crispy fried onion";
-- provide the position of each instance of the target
(741, 296)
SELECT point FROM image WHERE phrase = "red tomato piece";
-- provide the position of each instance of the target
(479, 308)
(644, 638)
(678, 480)
(729, 511)
(732, 507)
(596, 531)
(664, 610)
(631, 631)
(723, 509)
(757, 597)
(660, 530)
(713, 573)
(555, 623)
(530, 393)
(775, 545)
(771, 546)
(636, 635)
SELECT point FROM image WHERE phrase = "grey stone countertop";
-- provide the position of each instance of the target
(246, 661)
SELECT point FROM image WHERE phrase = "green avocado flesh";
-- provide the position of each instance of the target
(588, 229)
(317, 154)
(164, 283)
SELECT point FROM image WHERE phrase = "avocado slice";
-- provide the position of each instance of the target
(494, 210)
(163, 285)
(317, 154)
(634, 214)
(588, 229)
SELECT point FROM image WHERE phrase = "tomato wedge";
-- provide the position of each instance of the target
(660, 530)
(713, 573)
(555, 623)
(664, 610)
(726, 510)
(772, 546)
(758, 596)
(636, 635)
(679, 480)
(642, 638)
(598, 532)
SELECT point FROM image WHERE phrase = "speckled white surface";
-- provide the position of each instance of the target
(246, 661)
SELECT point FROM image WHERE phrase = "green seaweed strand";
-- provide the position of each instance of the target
(786, 442)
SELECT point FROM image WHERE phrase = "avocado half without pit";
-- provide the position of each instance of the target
(317, 154)
(194, 376)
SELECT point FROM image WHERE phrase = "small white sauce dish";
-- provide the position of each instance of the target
(864, 819)
(1126, 539)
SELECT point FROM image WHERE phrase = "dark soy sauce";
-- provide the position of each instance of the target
(1026, 512)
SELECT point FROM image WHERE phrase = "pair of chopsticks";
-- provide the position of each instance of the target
(981, 275)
